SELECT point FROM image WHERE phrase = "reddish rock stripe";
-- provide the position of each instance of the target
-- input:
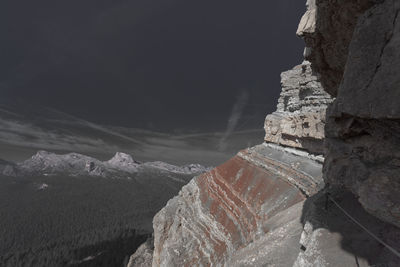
(224, 210)
(305, 182)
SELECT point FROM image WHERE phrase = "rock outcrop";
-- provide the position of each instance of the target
(353, 45)
(299, 120)
(359, 41)
(228, 208)
(327, 29)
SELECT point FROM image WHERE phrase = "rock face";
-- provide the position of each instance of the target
(299, 120)
(327, 29)
(354, 47)
(330, 238)
(231, 206)
(363, 123)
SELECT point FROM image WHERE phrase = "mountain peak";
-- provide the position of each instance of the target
(42, 154)
(122, 159)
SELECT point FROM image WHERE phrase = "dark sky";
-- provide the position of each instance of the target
(158, 64)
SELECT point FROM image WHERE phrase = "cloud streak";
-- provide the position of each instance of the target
(236, 114)
(26, 135)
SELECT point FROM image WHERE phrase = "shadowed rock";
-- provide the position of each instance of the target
(363, 123)
(327, 29)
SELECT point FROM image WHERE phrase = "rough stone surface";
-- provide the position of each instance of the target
(354, 47)
(143, 256)
(364, 157)
(233, 205)
(330, 238)
(363, 124)
(300, 116)
(279, 247)
(327, 28)
(371, 81)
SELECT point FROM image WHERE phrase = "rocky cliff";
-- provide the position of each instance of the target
(353, 45)
(327, 28)
(359, 42)
(262, 208)
(227, 209)
(299, 120)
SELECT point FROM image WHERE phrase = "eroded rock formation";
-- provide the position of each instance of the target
(299, 120)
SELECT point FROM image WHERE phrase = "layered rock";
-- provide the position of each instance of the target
(228, 208)
(299, 120)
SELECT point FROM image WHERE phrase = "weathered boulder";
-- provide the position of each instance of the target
(299, 120)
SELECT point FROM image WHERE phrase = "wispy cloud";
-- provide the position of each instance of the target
(237, 112)
(27, 135)
(56, 131)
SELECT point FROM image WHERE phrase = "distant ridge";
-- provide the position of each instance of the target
(119, 166)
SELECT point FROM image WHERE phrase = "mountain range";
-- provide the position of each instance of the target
(26, 128)
(75, 210)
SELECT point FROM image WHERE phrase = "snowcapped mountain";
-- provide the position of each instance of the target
(109, 202)
(73, 164)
